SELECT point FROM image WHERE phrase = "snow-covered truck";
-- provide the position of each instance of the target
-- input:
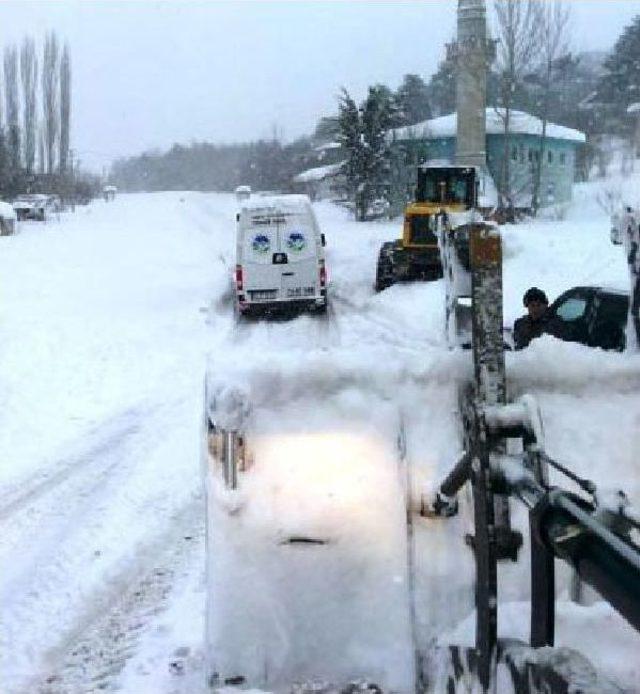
(31, 206)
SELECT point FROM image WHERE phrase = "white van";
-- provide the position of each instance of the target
(280, 256)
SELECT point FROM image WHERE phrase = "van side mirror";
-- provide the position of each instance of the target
(237, 216)
(323, 240)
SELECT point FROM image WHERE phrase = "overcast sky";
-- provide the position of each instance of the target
(147, 74)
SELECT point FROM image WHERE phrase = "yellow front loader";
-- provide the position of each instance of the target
(441, 191)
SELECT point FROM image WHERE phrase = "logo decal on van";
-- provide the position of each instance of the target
(260, 243)
(296, 241)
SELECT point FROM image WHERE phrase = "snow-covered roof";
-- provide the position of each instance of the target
(520, 123)
(284, 203)
(318, 173)
(326, 146)
(7, 211)
(634, 108)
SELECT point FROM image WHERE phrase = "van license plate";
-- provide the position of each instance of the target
(265, 295)
(300, 291)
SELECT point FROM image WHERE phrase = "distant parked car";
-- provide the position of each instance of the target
(31, 206)
(593, 316)
(7, 219)
(109, 193)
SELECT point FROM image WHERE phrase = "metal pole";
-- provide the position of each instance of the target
(230, 460)
(543, 596)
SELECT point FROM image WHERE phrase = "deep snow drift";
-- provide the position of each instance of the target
(107, 318)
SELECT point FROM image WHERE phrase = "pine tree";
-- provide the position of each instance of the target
(364, 135)
(619, 87)
(442, 89)
(412, 99)
(350, 137)
(379, 116)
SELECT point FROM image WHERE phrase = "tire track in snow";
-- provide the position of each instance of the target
(108, 437)
(48, 548)
(92, 655)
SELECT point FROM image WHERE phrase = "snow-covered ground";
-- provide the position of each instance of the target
(106, 320)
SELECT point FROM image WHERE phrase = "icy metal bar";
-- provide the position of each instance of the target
(485, 255)
(230, 460)
(600, 558)
(629, 554)
(585, 484)
(458, 477)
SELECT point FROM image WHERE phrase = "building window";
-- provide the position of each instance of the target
(550, 157)
(551, 193)
(514, 153)
(530, 155)
(563, 159)
(521, 154)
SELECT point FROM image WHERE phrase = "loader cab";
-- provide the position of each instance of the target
(447, 185)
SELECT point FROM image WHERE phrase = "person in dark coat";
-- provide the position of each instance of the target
(537, 321)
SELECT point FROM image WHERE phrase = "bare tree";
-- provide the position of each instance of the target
(3, 149)
(12, 103)
(29, 74)
(42, 163)
(518, 31)
(554, 44)
(65, 107)
(51, 114)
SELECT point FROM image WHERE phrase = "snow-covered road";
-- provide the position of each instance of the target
(106, 320)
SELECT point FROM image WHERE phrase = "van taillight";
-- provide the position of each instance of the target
(323, 274)
(239, 277)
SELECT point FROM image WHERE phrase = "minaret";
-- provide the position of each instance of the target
(472, 53)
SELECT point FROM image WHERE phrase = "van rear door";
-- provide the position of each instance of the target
(298, 240)
(259, 244)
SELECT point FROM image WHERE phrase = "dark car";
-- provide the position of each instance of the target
(593, 316)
